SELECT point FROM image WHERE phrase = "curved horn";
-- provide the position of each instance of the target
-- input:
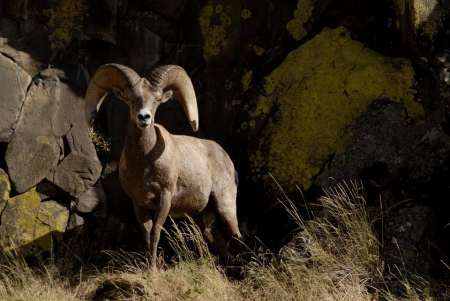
(107, 78)
(175, 78)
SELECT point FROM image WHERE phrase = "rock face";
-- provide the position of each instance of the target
(5, 188)
(51, 140)
(14, 82)
(33, 150)
(276, 86)
(30, 225)
(317, 91)
(371, 147)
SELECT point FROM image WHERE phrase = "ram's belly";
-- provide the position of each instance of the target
(189, 199)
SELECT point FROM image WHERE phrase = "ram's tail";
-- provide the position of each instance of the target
(236, 178)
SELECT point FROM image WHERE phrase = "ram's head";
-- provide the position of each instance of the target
(143, 95)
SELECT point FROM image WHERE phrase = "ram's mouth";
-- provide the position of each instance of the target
(143, 124)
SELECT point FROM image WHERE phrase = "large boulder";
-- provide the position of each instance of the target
(310, 100)
(378, 146)
(34, 150)
(51, 139)
(30, 226)
(14, 82)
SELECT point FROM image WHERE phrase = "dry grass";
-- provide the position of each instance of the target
(333, 257)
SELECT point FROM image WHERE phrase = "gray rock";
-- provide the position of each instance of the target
(88, 200)
(379, 137)
(21, 58)
(34, 150)
(5, 188)
(75, 221)
(75, 174)
(51, 139)
(14, 82)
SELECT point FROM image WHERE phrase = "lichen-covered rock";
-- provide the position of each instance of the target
(65, 20)
(5, 188)
(14, 82)
(302, 14)
(317, 92)
(28, 224)
(33, 150)
(219, 23)
(52, 130)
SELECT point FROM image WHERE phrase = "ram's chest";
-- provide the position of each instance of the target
(143, 180)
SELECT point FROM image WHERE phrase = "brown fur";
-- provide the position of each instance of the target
(167, 174)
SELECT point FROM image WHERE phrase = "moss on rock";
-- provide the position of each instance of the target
(65, 19)
(302, 15)
(5, 189)
(29, 225)
(215, 24)
(319, 89)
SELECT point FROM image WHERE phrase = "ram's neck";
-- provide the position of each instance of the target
(140, 142)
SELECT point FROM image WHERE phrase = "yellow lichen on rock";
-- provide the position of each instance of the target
(65, 19)
(215, 23)
(246, 14)
(5, 188)
(320, 88)
(27, 223)
(302, 15)
(43, 140)
(246, 80)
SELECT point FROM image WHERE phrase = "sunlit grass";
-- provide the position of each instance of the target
(333, 256)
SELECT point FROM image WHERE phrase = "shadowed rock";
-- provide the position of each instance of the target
(51, 140)
(5, 188)
(14, 82)
(34, 150)
(29, 224)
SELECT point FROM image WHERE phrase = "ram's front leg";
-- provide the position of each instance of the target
(145, 220)
(160, 217)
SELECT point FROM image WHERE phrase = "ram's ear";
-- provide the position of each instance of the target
(166, 96)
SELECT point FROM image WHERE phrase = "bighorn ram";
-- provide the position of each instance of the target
(166, 174)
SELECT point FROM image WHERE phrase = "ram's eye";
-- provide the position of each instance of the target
(119, 94)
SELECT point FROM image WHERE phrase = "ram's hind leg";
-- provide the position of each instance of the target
(227, 211)
(213, 235)
(208, 220)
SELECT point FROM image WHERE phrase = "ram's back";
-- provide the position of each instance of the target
(204, 168)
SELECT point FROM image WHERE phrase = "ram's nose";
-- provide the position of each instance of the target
(144, 118)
